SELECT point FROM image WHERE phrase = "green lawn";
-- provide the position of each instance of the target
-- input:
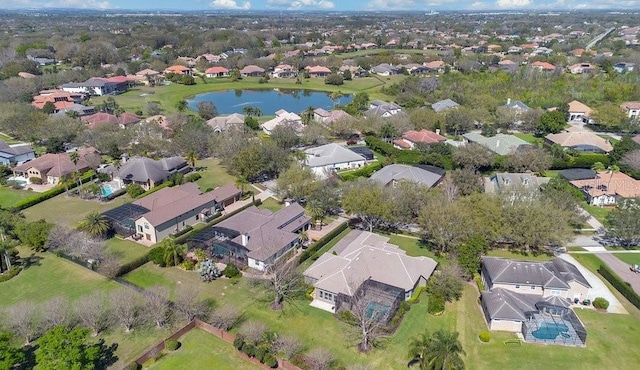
(530, 138)
(271, 204)
(9, 197)
(630, 258)
(127, 250)
(8, 139)
(599, 213)
(169, 95)
(69, 211)
(518, 256)
(214, 174)
(412, 246)
(201, 350)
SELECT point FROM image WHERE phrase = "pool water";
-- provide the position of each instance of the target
(106, 190)
(376, 309)
(549, 330)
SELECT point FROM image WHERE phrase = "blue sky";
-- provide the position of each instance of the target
(325, 4)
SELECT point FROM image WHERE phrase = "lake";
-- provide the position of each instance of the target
(268, 101)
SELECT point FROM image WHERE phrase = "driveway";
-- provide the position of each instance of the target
(622, 269)
(598, 288)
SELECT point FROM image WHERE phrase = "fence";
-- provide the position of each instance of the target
(224, 335)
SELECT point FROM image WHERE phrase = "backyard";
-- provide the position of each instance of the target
(213, 175)
(126, 250)
(9, 197)
(69, 211)
(271, 204)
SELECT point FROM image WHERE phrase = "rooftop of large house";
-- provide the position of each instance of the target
(330, 154)
(609, 183)
(60, 164)
(571, 139)
(556, 273)
(501, 144)
(420, 174)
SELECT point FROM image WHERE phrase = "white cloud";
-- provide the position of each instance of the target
(513, 4)
(391, 4)
(81, 4)
(230, 4)
(301, 4)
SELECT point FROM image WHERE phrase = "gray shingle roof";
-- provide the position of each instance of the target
(428, 176)
(141, 169)
(550, 274)
(444, 105)
(330, 154)
(503, 304)
(501, 144)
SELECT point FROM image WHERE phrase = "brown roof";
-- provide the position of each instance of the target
(578, 107)
(100, 118)
(544, 65)
(251, 69)
(59, 165)
(318, 69)
(423, 136)
(630, 105)
(214, 70)
(616, 183)
(576, 138)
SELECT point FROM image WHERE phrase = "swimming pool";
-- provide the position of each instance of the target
(106, 190)
(550, 330)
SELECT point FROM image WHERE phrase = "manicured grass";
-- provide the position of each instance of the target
(9, 197)
(51, 276)
(127, 250)
(599, 213)
(169, 95)
(414, 247)
(8, 139)
(518, 256)
(630, 258)
(551, 173)
(271, 204)
(201, 350)
(69, 211)
(149, 275)
(530, 138)
(214, 175)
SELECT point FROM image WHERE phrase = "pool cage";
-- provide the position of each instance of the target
(553, 324)
(122, 219)
(379, 300)
(216, 242)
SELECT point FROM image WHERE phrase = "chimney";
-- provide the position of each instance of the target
(508, 101)
(245, 239)
(124, 158)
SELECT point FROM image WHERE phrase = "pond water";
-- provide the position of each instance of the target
(268, 101)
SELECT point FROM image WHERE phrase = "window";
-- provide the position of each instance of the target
(140, 228)
(517, 286)
(533, 287)
(555, 292)
(146, 225)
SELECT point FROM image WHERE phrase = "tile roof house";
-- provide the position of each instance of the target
(318, 71)
(331, 157)
(148, 172)
(516, 105)
(178, 70)
(378, 108)
(582, 68)
(255, 237)
(172, 209)
(435, 66)
(329, 117)
(78, 110)
(19, 153)
(582, 141)
(252, 71)
(631, 108)
(500, 144)
(283, 118)
(52, 168)
(443, 105)
(60, 99)
(607, 188)
(579, 112)
(514, 290)
(99, 86)
(284, 71)
(216, 71)
(543, 66)
(514, 183)
(384, 69)
(366, 265)
(392, 174)
(412, 138)
(223, 123)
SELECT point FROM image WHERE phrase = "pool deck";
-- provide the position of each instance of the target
(541, 321)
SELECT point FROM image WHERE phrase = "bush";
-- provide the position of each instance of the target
(156, 255)
(154, 189)
(260, 353)
(270, 361)
(185, 230)
(41, 197)
(188, 264)
(365, 171)
(116, 194)
(479, 283)
(128, 267)
(238, 342)
(415, 297)
(248, 349)
(313, 248)
(308, 293)
(622, 286)
(231, 271)
(193, 177)
(600, 303)
(133, 366)
(171, 344)
(402, 309)
(8, 275)
(36, 180)
(484, 336)
(436, 304)
(134, 190)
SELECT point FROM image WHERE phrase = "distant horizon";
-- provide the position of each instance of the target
(186, 6)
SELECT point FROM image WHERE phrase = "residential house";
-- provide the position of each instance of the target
(508, 65)
(60, 99)
(437, 66)
(77, 110)
(42, 61)
(318, 71)
(378, 108)
(364, 266)
(283, 118)
(363, 151)
(148, 172)
(607, 188)
(516, 105)
(582, 68)
(147, 76)
(125, 119)
(393, 174)
(15, 154)
(384, 69)
(255, 237)
(178, 70)
(356, 71)
(412, 138)
(414, 68)
(329, 117)
(216, 71)
(172, 209)
(623, 67)
(517, 292)
(543, 66)
(284, 71)
(444, 105)
(99, 86)
(515, 184)
(252, 71)
(579, 113)
(501, 144)
(582, 141)
(631, 109)
(52, 168)
(331, 157)
(223, 123)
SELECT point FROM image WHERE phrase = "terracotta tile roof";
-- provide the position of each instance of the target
(251, 69)
(402, 144)
(616, 183)
(318, 69)
(423, 136)
(544, 65)
(58, 165)
(149, 72)
(216, 70)
(578, 107)
(177, 69)
(577, 138)
(630, 105)
(100, 118)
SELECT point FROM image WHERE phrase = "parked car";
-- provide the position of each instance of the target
(635, 268)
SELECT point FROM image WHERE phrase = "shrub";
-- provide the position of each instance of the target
(36, 180)
(171, 344)
(259, 353)
(154, 189)
(308, 293)
(134, 190)
(622, 286)
(365, 171)
(193, 177)
(188, 264)
(402, 309)
(479, 283)
(156, 255)
(8, 275)
(184, 230)
(415, 297)
(484, 336)
(600, 303)
(270, 361)
(313, 248)
(41, 197)
(130, 266)
(238, 343)
(436, 304)
(231, 271)
(133, 366)
(248, 349)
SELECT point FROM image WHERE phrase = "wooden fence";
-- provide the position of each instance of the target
(222, 334)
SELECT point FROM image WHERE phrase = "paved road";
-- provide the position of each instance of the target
(622, 269)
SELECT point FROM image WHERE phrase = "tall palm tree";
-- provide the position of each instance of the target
(75, 158)
(95, 224)
(241, 182)
(598, 167)
(192, 157)
(316, 211)
(303, 237)
(172, 252)
(335, 97)
(307, 115)
(419, 348)
(445, 351)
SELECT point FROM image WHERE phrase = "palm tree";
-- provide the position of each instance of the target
(598, 167)
(303, 237)
(307, 115)
(419, 349)
(95, 224)
(182, 105)
(612, 169)
(445, 351)
(192, 157)
(316, 211)
(335, 97)
(241, 182)
(172, 252)
(75, 158)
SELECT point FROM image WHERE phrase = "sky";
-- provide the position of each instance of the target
(337, 5)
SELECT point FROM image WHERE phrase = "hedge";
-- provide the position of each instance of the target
(115, 194)
(586, 160)
(315, 247)
(415, 297)
(398, 155)
(8, 275)
(185, 230)
(154, 189)
(130, 266)
(622, 286)
(365, 171)
(41, 197)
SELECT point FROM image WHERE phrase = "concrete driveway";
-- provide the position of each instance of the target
(622, 269)
(598, 288)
